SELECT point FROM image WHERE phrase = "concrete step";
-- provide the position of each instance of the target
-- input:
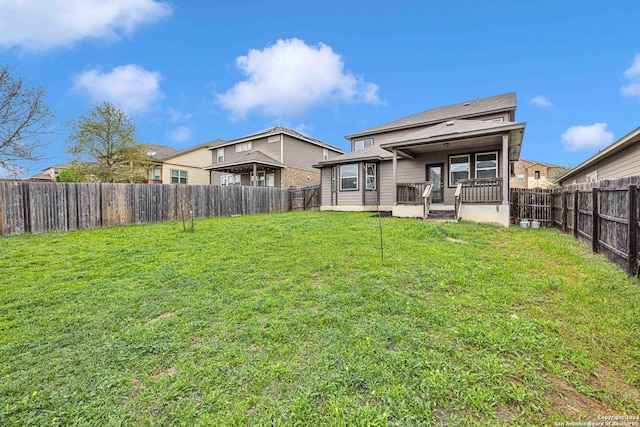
(442, 214)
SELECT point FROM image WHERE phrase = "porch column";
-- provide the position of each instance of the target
(395, 176)
(255, 178)
(505, 169)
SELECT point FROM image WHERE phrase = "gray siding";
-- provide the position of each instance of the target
(624, 163)
(303, 155)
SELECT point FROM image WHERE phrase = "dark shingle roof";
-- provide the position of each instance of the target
(450, 127)
(250, 157)
(274, 131)
(375, 152)
(161, 151)
(464, 109)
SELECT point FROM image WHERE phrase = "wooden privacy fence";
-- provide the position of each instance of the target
(306, 198)
(603, 215)
(29, 207)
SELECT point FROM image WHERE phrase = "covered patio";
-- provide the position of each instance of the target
(243, 169)
(466, 166)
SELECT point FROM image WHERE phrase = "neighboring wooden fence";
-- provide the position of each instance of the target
(29, 207)
(602, 215)
(306, 198)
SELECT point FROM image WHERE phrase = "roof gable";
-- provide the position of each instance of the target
(274, 131)
(482, 106)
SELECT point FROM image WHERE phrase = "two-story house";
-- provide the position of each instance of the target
(275, 157)
(456, 156)
(530, 174)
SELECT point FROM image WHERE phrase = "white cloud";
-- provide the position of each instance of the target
(633, 74)
(43, 24)
(177, 116)
(180, 134)
(540, 101)
(131, 87)
(289, 77)
(591, 137)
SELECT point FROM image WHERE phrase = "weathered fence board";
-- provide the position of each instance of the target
(28, 207)
(603, 215)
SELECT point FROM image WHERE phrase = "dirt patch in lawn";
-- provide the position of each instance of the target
(162, 316)
(566, 400)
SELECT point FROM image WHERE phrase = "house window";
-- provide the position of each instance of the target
(261, 178)
(458, 169)
(536, 174)
(56, 171)
(274, 138)
(157, 174)
(325, 154)
(220, 155)
(178, 176)
(363, 143)
(271, 180)
(245, 146)
(520, 177)
(371, 176)
(230, 180)
(495, 119)
(487, 165)
(593, 176)
(349, 177)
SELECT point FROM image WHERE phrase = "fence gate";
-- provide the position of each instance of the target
(306, 198)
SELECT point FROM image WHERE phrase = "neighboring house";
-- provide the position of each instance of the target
(187, 166)
(50, 173)
(530, 174)
(620, 159)
(157, 154)
(460, 152)
(276, 157)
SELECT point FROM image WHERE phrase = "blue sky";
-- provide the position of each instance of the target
(191, 72)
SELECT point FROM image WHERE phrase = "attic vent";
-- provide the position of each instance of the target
(451, 123)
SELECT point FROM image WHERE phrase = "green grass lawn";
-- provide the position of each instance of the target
(290, 319)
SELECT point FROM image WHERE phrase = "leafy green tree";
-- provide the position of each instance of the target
(24, 119)
(76, 173)
(104, 143)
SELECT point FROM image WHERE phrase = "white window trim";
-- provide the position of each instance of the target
(520, 175)
(350, 176)
(468, 156)
(274, 138)
(363, 143)
(367, 176)
(593, 176)
(244, 146)
(272, 177)
(325, 154)
(486, 169)
(235, 179)
(220, 154)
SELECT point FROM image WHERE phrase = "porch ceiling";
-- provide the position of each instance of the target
(246, 168)
(471, 144)
(459, 134)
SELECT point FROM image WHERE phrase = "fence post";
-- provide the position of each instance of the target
(595, 229)
(575, 213)
(632, 269)
(563, 213)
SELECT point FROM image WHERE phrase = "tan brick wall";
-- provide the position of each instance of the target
(292, 177)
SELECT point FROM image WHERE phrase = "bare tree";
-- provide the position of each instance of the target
(24, 119)
(104, 145)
